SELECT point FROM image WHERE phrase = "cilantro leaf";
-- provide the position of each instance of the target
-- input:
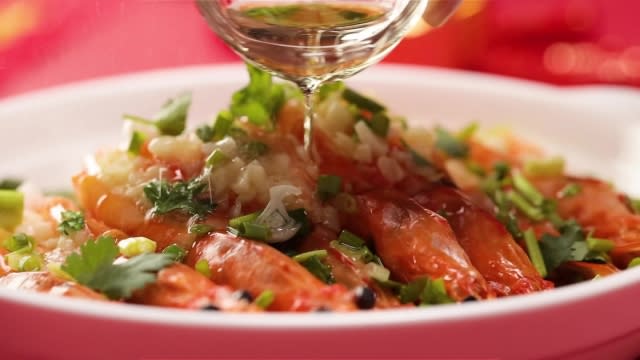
(93, 256)
(94, 268)
(450, 144)
(564, 247)
(119, 281)
(182, 196)
(260, 100)
(72, 221)
(171, 119)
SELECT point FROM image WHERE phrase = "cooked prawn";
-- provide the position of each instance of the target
(486, 241)
(414, 242)
(257, 267)
(182, 287)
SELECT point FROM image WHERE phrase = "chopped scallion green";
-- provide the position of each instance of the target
(205, 133)
(265, 299)
(256, 231)
(328, 186)
(10, 184)
(570, 190)
(548, 167)
(136, 142)
(176, 252)
(200, 229)
(223, 123)
(450, 144)
(379, 124)
(237, 222)
(350, 239)
(319, 269)
(19, 242)
(634, 262)
(527, 189)
(135, 246)
(535, 254)
(525, 207)
(361, 101)
(468, 131)
(215, 159)
(600, 245)
(320, 254)
(11, 209)
(202, 266)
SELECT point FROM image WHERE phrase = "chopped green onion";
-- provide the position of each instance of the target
(362, 101)
(319, 269)
(379, 124)
(136, 142)
(634, 262)
(172, 118)
(527, 189)
(215, 159)
(255, 112)
(11, 209)
(138, 119)
(72, 222)
(570, 190)
(346, 203)
(176, 252)
(350, 239)
(523, 205)
(23, 261)
(475, 168)
(600, 245)
(56, 270)
(202, 266)
(135, 246)
(320, 254)
(256, 231)
(450, 144)
(635, 205)
(502, 170)
(19, 242)
(222, 126)
(411, 292)
(328, 186)
(200, 229)
(237, 222)
(548, 167)
(205, 133)
(301, 217)
(535, 254)
(254, 149)
(329, 88)
(10, 184)
(377, 272)
(435, 293)
(265, 299)
(468, 131)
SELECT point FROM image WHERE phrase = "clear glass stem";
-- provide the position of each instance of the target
(308, 87)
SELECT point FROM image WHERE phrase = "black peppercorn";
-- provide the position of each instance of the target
(365, 297)
(243, 295)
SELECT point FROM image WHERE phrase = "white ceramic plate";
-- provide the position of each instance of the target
(45, 135)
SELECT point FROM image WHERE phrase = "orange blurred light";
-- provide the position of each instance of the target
(16, 20)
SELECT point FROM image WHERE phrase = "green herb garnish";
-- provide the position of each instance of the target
(260, 100)
(11, 209)
(176, 252)
(72, 222)
(425, 291)
(312, 261)
(171, 119)
(265, 299)
(328, 186)
(535, 254)
(558, 249)
(94, 268)
(181, 196)
(136, 142)
(361, 101)
(10, 184)
(570, 190)
(450, 144)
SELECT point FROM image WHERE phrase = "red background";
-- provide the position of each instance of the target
(50, 42)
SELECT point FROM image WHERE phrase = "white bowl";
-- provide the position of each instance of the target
(45, 135)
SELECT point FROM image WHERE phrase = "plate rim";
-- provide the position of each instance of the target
(222, 73)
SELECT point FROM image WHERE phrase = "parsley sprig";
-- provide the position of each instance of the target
(72, 222)
(180, 196)
(94, 268)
